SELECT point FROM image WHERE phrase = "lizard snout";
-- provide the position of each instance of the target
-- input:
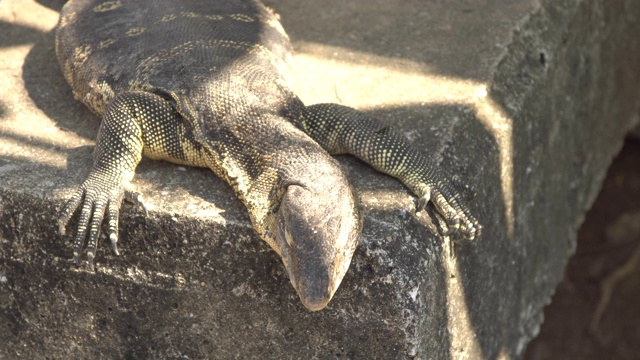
(314, 285)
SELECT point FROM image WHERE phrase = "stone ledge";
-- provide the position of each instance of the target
(529, 101)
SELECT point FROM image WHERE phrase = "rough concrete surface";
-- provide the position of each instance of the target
(527, 100)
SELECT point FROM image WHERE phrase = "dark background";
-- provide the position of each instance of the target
(608, 244)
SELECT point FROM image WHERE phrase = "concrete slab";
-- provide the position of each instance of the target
(527, 100)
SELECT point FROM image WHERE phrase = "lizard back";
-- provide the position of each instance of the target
(172, 47)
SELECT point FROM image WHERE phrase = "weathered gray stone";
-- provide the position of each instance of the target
(528, 101)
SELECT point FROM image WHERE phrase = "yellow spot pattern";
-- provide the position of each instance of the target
(68, 19)
(242, 17)
(135, 31)
(106, 43)
(81, 54)
(107, 6)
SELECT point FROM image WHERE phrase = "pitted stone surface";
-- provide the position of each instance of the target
(529, 101)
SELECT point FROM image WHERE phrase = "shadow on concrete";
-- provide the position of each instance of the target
(14, 34)
(52, 4)
(50, 92)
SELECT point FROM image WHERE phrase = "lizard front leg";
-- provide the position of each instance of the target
(340, 129)
(117, 154)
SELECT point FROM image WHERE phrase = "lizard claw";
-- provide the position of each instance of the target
(76, 257)
(113, 238)
(90, 256)
(423, 200)
(100, 196)
(474, 230)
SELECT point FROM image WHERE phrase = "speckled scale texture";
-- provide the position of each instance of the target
(171, 45)
(204, 83)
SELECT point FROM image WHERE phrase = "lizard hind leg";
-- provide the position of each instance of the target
(340, 129)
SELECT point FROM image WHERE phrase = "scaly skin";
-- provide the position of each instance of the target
(204, 84)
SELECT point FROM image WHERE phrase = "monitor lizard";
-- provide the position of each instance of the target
(203, 83)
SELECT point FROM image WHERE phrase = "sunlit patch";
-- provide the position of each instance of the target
(416, 85)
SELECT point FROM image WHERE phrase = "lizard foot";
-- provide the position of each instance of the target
(460, 223)
(99, 195)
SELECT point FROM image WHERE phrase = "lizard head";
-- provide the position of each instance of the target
(317, 231)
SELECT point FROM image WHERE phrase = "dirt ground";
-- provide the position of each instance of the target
(582, 322)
